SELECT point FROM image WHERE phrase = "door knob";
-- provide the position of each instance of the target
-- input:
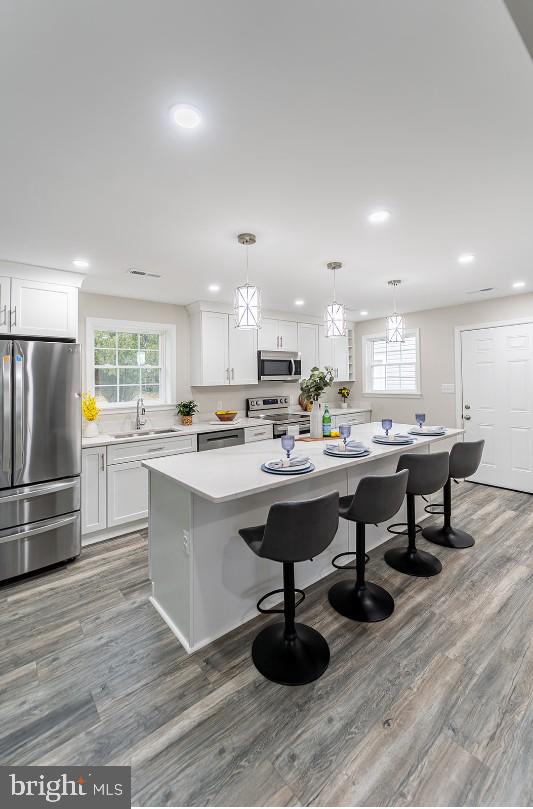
(467, 407)
(467, 418)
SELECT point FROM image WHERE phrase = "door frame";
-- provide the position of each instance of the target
(494, 324)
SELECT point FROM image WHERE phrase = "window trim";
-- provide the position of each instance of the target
(367, 339)
(167, 331)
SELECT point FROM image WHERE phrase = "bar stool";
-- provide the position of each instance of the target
(377, 498)
(465, 457)
(291, 653)
(427, 474)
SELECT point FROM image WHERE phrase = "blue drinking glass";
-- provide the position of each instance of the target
(345, 431)
(287, 442)
(387, 425)
(420, 419)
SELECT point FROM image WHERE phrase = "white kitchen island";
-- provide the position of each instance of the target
(205, 580)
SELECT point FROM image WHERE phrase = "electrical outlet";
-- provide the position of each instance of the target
(186, 543)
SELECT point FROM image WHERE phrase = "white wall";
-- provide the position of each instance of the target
(437, 348)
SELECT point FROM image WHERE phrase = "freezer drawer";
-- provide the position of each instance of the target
(30, 547)
(27, 504)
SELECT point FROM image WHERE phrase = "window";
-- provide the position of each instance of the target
(392, 368)
(127, 360)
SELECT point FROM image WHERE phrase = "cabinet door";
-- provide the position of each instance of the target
(242, 355)
(5, 302)
(308, 346)
(93, 490)
(127, 493)
(288, 335)
(341, 359)
(43, 310)
(214, 339)
(268, 338)
(325, 350)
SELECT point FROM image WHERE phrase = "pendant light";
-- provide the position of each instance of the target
(335, 313)
(247, 300)
(395, 322)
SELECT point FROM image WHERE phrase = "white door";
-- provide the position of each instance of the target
(127, 493)
(93, 490)
(5, 304)
(214, 337)
(497, 379)
(308, 346)
(43, 310)
(267, 338)
(242, 355)
(288, 335)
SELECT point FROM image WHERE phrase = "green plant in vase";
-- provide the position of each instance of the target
(344, 393)
(187, 410)
(311, 390)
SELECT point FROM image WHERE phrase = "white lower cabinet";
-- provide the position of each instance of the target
(127, 493)
(93, 490)
(351, 419)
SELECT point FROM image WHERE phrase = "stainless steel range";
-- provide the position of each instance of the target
(275, 409)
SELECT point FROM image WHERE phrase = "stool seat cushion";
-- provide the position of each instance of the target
(253, 537)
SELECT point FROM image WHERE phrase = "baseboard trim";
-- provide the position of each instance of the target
(171, 625)
(112, 533)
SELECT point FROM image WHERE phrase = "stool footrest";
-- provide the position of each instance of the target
(432, 508)
(278, 609)
(347, 567)
(394, 529)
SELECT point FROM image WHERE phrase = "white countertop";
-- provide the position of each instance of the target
(200, 427)
(234, 472)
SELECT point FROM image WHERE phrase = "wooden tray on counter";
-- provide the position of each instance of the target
(322, 438)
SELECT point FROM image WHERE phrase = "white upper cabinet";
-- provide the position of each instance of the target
(5, 303)
(41, 310)
(220, 353)
(308, 346)
(277, 335)
(242, 355)
(333, 351)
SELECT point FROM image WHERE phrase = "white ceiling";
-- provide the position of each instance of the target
(315, 113)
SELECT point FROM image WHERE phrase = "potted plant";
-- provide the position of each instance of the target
(90, 411)
(311, 390)
(344, 392)
(187, 410)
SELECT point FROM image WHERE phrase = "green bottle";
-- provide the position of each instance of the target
(326, 423)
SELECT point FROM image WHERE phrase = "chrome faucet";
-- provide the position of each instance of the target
(139, 421)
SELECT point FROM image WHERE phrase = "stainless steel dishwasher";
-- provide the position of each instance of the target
(224, 438)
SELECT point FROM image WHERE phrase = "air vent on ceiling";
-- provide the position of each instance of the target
(143, 273)
(477, 291)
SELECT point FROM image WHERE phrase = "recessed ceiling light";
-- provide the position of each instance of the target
(363, 312)
(81, 263)
(143, 273)
(519, 284)
(213, 288)
(466, 258)
(299, 302)
(185, 116)
(378, 217)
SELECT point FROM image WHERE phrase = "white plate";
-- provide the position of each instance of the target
(273, 465)
(393, 442)
(342, 454)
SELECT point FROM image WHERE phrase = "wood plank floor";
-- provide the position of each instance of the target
(431, 707)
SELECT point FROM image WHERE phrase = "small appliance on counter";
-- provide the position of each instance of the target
(279, 366)
(275, 409)
(40, 454)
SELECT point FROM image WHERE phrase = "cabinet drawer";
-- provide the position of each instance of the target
(261, 433)
(151, 448)
(352, 418)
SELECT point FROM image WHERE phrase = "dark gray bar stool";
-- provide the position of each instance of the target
(427, 474)
(465, 457)
(290, 653)
(376, 499)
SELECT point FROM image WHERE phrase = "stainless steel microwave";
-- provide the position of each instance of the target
(279, 366)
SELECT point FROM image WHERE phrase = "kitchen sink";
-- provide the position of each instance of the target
(145, 433)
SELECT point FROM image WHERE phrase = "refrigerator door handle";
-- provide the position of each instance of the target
(6, 413)
(41, 529)
(19, 412)
(39, 491)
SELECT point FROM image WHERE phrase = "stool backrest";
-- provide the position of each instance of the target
(427, 473)
(301, 530)
(378, 497)
(465, 457)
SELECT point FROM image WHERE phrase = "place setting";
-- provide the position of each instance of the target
(346, 448)
(420, 429)
(395, 440)
(287, 465)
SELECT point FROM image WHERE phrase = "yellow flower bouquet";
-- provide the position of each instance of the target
(90, 411)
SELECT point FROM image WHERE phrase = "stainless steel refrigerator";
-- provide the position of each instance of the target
(40, 454)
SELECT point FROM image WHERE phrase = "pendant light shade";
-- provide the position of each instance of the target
(335, 313)
(395, 323)
(247, 298)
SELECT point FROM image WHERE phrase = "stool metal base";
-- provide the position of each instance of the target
(368, 603)
(293, 662)
(448, 537)
(413, 562)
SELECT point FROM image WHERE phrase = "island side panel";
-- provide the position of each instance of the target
(227, 577)
(169, 532)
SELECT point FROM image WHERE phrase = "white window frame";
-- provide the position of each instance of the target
(167, 332)
(367, 341)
